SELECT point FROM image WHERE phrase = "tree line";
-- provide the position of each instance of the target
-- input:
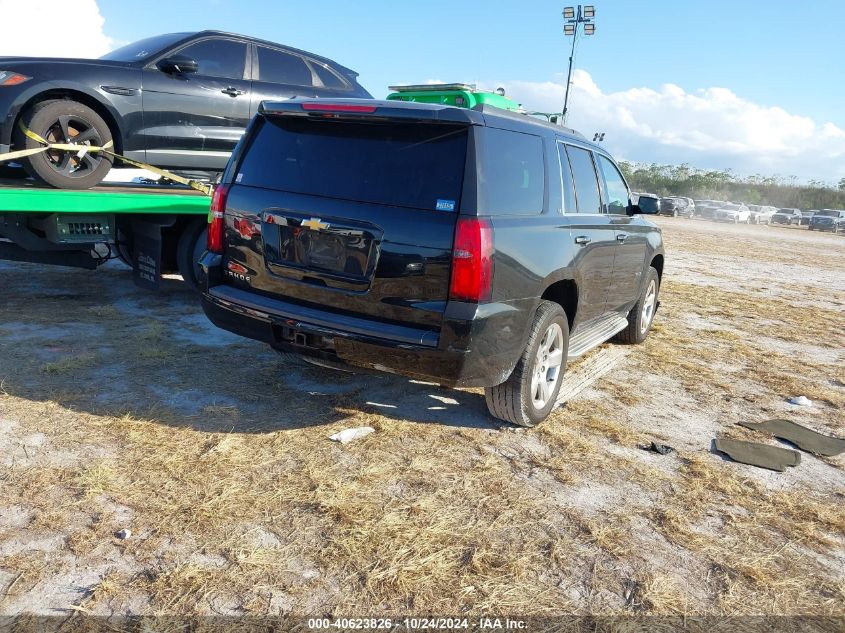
(777, 191)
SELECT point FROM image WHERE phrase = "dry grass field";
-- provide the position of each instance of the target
(124, 409)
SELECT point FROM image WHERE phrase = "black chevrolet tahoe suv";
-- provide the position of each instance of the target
(470, 247)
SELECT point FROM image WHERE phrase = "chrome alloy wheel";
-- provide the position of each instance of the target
(545, 371)
(648, 306)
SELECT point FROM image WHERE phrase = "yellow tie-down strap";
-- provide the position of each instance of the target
(46, 146)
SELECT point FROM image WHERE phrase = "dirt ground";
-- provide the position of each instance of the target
(121, 409)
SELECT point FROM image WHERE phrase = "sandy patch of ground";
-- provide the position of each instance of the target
(122, 409)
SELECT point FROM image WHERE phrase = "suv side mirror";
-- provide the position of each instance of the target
(178, 64)
(646, 205)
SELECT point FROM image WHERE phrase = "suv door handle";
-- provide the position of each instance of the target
(232, 92)
(582, 239)
(621, 237)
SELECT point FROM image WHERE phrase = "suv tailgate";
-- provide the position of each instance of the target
(351, 216)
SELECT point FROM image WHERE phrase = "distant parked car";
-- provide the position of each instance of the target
(761, 214)
(707, 208)
(806, 216)
(733, 212)
(787, 216)
(677, 205)
(651, 200)
(828, 220)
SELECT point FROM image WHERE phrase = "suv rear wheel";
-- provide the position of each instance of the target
(65, 121)
(641, 315)
(527, 397)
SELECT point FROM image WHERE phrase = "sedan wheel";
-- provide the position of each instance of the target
(66, 122)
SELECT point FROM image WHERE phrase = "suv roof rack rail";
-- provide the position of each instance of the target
(485, 108)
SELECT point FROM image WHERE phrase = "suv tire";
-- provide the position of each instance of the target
(522, 399)
(62, 121)
(189, 249)
(641, 315)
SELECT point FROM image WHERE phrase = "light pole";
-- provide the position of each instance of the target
(572, 20)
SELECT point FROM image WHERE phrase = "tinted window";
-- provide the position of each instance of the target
(512, 176)
(569, 205)
(329, 79)
(615, 188)
(144, 48)
(420, 166)
(281, 68)
(218, 58)
(586, 184)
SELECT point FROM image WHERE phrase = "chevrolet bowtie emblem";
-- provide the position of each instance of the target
(315, 224)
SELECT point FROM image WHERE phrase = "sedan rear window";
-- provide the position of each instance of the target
(419, 166)
(282, 68)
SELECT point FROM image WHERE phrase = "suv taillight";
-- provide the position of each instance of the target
(216, 224)
(472, 261)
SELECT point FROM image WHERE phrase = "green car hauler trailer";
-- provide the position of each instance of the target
(154, 229)
(460, 95)
(465, 96)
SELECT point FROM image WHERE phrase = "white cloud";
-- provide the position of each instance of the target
(53, 28)
(710, 128)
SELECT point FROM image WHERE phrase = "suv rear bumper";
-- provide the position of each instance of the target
(478, 345)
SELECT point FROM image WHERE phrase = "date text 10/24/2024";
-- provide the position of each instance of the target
(420, 624)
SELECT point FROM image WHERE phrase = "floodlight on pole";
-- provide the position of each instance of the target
(573, 17)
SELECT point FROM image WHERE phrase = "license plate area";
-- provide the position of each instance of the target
(334, 252)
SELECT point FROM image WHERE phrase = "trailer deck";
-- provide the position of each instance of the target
(27, 197)
(152, 228)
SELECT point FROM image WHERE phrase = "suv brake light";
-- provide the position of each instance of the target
(216, 224)
(338, 107)
(472, 261)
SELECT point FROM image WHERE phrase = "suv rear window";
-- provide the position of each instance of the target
(417, 166)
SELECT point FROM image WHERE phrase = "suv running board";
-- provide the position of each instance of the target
(595, 333)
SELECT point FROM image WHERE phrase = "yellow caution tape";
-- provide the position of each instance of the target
(46, 146)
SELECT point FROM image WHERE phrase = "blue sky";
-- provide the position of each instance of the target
(757, 86)
(773, 52)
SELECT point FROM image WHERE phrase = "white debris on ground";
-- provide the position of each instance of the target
(801, 401)
(348, 435)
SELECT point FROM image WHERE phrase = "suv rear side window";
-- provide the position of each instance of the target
(218, 58)
(615, 188)
(512, 178)
(329, 79)
(403, 165)
(282, 68)
(586, 183)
